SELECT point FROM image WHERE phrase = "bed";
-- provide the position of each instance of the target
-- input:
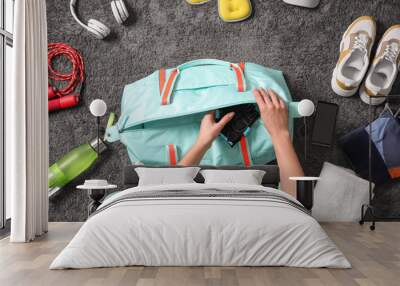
(199, 224)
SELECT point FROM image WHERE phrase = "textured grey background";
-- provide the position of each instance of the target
(302, 43)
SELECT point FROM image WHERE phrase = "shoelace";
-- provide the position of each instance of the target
(391, 52)
(360, 43)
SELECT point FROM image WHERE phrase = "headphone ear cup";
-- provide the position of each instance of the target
(120, 11)
(98, 29)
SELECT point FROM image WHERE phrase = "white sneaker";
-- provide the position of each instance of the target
(355, 50)
(384, 68)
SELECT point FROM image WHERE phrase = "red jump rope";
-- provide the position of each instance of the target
(66, 96)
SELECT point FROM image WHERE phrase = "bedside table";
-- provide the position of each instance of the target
(305, 190)
(96, 193)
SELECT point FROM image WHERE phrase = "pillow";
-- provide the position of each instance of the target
(246, 177)
(339, 194)
(166, 176)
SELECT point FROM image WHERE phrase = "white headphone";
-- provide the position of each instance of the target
(97, 28)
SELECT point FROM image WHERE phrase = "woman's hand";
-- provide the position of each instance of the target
(273, 112)
(209, 129)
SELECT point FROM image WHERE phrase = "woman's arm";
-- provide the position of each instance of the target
(274, 114)
(209, 130)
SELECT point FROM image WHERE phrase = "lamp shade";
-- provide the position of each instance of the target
(98, 107)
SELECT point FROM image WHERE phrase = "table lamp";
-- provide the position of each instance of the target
(98, 108)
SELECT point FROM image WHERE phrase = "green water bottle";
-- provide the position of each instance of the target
(74, 163)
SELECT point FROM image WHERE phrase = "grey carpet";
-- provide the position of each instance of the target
(302, 43)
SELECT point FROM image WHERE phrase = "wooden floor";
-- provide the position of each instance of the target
(375, 257)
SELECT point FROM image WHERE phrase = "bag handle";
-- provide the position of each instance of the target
(237, 68)
(166, 86)
(203, 62)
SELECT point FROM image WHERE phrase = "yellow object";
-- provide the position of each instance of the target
(234, 10)
(197, 2)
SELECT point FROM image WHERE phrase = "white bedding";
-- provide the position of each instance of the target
(185, 231)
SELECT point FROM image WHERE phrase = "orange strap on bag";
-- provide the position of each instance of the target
(244, 145)
(161, 79)
(242, 65)
(168, 87)
(172, 154)
(244, 148)
(239, 71)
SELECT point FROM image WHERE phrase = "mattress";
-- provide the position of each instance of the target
(201, 225)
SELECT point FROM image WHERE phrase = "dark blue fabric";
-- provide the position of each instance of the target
(378, 127)
(355, 145)
(391, 143)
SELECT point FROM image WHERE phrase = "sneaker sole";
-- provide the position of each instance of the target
(370, 99)
(340, 91)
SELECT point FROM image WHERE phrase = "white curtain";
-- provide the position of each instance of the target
(27, 124)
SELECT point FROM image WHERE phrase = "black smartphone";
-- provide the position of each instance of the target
(245, 116)
(324, 124)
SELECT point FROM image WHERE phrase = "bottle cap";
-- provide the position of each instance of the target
(102, 146)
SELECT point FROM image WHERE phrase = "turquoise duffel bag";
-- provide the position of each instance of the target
(161, 113)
